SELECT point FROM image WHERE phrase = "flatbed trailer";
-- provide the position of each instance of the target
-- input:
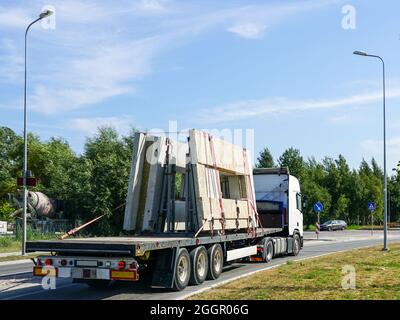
(98, 260)
(184, 243)
(137, 245)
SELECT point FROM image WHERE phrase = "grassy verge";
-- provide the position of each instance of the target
(320, 278)
(19, 257)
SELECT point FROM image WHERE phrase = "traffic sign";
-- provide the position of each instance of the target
(30, 182)
(371, 206)
(318, 207)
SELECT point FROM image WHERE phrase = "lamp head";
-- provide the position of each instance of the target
(360, 53)
(45, 14)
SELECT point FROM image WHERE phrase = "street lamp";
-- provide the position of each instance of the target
(43, 15)
(385, 242)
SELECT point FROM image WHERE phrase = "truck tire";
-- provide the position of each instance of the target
(216, 261)
(199, 260)
(182, 270)
(268, 250)
(296, 244)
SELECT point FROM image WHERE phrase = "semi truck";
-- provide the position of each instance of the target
(174, 258)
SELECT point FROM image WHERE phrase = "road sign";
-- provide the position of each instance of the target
(30, 182)
(318, 207)
(371, 206)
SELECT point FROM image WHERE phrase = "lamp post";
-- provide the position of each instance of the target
(25, 165)
(385, 242)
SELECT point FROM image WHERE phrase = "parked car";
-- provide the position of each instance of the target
(333, 225)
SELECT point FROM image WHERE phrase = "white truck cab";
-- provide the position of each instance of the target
(279, 200)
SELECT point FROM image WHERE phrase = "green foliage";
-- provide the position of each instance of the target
(265, 160)
(5, 211)
(344, 192)
(91, 184)
(292, 159)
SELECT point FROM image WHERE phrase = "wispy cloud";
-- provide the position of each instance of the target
(374, 148)
(123, 124)
(258, 108)
(249, 30)
(90, 59)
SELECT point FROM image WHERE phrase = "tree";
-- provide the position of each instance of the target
(292, 159)
(265, 159)
(99, 180)
(8, 140)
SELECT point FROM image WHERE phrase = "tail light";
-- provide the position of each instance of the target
(121, 264)
(63, 262)
(48, 262)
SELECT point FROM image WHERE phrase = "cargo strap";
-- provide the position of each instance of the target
(249, 185)
(217, 180)
(75, 230)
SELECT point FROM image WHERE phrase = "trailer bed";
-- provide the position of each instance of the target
(136, 245)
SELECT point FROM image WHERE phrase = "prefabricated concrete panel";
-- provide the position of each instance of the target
(135, 181)
(222, 154)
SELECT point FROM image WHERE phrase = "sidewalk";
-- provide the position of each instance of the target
(10, 254)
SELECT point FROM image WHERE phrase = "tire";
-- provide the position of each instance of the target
(296, 244)
(216, 261)
(199, 261)
(98, 283)
(182, 270)
(268, 250)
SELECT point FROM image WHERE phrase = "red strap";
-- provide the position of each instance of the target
(218, 183)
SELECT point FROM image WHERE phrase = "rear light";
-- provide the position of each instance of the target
(63, 262)
(131, 275)
(39, 262)
(48, 262)
(42, 272)
(121, 264)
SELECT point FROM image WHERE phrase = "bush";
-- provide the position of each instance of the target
(5, 211)
(6, 241)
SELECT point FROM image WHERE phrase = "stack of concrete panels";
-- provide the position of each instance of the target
(210, 160)
(214, 158)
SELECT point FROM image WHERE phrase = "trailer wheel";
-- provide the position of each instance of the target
(296, 244)
(199, 260)
(216, 261)
(268, 250)
(182, 270)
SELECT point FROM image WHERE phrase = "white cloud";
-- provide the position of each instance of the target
(88, 60)
(13, 17)
(90, 125)
(249, 30)
(258, 108)
(374, 148)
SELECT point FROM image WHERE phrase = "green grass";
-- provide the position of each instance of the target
(377, 277)
(13, 243)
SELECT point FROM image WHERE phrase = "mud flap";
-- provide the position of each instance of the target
(163, 274)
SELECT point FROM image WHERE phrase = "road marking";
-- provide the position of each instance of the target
(32, 293)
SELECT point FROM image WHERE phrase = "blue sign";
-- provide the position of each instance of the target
(371, 206)
(318, 207)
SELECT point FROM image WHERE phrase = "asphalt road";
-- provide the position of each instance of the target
(23, 286)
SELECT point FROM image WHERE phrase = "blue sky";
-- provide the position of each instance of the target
(282, 68)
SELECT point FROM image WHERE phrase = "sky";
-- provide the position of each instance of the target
(283, 70)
